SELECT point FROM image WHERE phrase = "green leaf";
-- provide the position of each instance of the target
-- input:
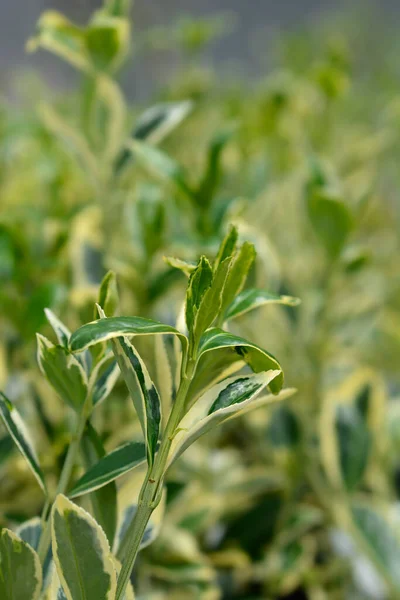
(110, 467)
(20, 569)
(104, 499)
(20, 435)
(154, 125)
(331, 221)
(161, 166)
(251, 299)
(217, 405)
(63, 371)
(238, 349)
(81, 553)
(382, 543)
(103, 330)
(354, 444)
(147, 401)
(238, 272)
(199, 282)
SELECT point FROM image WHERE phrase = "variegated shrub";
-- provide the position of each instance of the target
(297, 500)
(208, 376)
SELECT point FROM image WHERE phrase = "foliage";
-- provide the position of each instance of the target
(246, 200)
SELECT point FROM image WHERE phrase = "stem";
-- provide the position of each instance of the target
(69, 463)
(150, 493)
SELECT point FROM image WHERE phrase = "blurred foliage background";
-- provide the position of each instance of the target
(299, 502)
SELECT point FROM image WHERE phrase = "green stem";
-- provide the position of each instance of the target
(69, 463)
(150, 493)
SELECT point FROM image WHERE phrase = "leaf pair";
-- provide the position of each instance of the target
(143, 392)
(102, 45)
(232, 397)
(220, 345)
(219, 288)
(212, 289)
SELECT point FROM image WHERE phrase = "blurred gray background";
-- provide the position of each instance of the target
(257, 21)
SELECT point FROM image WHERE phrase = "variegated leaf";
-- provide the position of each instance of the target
(154, 125)
(199, 282)
(378, 537)
(159, 120)
(108, 294)
(62, 332)
(20, 569)
(238, 272)
(81, 553)
(251, 299)
(63, 335)
(216, 406)
(147, 402)
(63, 371)
(110, 467)
(152, 528)
(235, 348)
(104, 499)
(18, 431)
(103, 378)
(164, 377)
(30, 532)
(211, 301)
(103, 330)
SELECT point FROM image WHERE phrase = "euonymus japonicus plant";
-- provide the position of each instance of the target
(207, 376)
